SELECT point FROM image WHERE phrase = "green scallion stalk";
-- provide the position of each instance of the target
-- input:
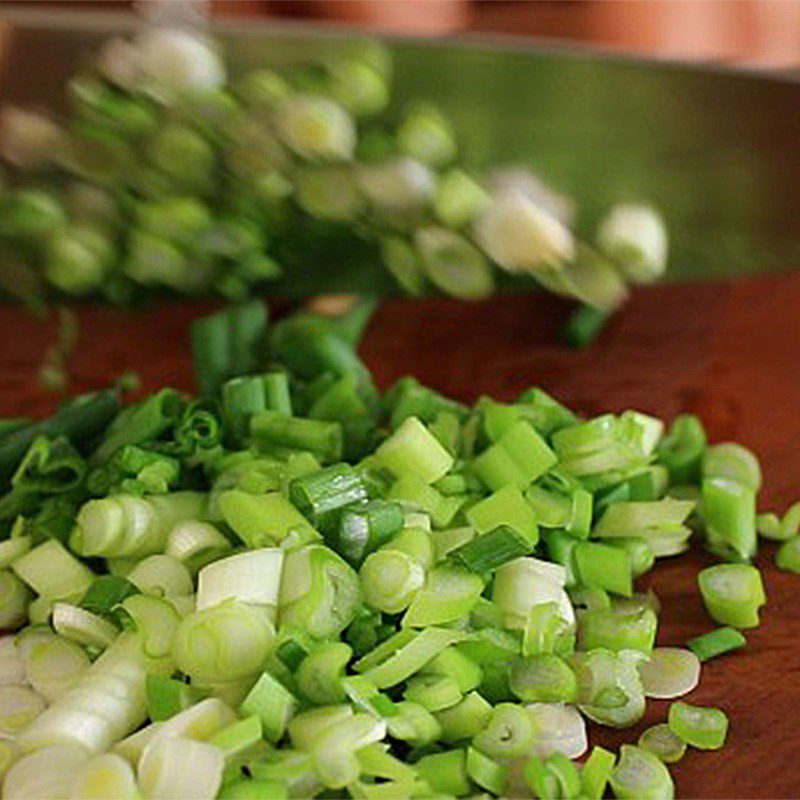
(486, 772)
(604, 567)
(583, 326)
(223, 643)
(413, 450)
(681, 450)
(272, 429)
(703, 728)
(263, 520)
(365, 527)
(398, 662)
(518, 457)
(716, 643)
(732, 594)
(323, 495)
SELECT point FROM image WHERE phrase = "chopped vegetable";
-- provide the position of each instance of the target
(254, 589)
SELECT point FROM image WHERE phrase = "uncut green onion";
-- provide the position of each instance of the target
(732, 594)
(703, 728)
(662, 742)
(640, 775)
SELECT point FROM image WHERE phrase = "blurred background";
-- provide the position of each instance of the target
(758, 32)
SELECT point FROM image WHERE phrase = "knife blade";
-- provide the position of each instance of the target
(714, 148)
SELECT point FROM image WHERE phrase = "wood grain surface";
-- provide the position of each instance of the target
(726, 351)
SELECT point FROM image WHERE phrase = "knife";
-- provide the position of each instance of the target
(713, 147)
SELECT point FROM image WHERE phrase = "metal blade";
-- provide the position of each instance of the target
(714, 148)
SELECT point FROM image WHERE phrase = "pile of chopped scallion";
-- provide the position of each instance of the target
(167, 174)
(294, 587)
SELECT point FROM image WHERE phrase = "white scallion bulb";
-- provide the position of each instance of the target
(178, 60)
(28, 139)
(634, 236)
(521, 236)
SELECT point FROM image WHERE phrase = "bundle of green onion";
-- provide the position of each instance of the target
(295, 587)
(168, 175)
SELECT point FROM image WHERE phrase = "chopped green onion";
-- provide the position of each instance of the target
(788, 555)
(662, 742)
(253, 577)
(416, 725)
(82, 626)
(584, 326)
(557, 728)
(320, 672)
(433, 692)
(486, 772)
(703, 728)
(448, 594)
(464, 720)
(604, 567)
(509, 732)
(543, 678)
(716, 643)
(265, 519)
(390, 579)
(445, 773)
(416, 651)
(729, 514)
(596, 773)
(506, 507)
(732, 462)
(223, 643)
(614, 631)
(732, 594)
(51, 570)
(272, 703)
(669, 672)
(518, 458)
(640, 775)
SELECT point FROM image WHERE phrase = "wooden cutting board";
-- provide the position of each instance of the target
(726, 351)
